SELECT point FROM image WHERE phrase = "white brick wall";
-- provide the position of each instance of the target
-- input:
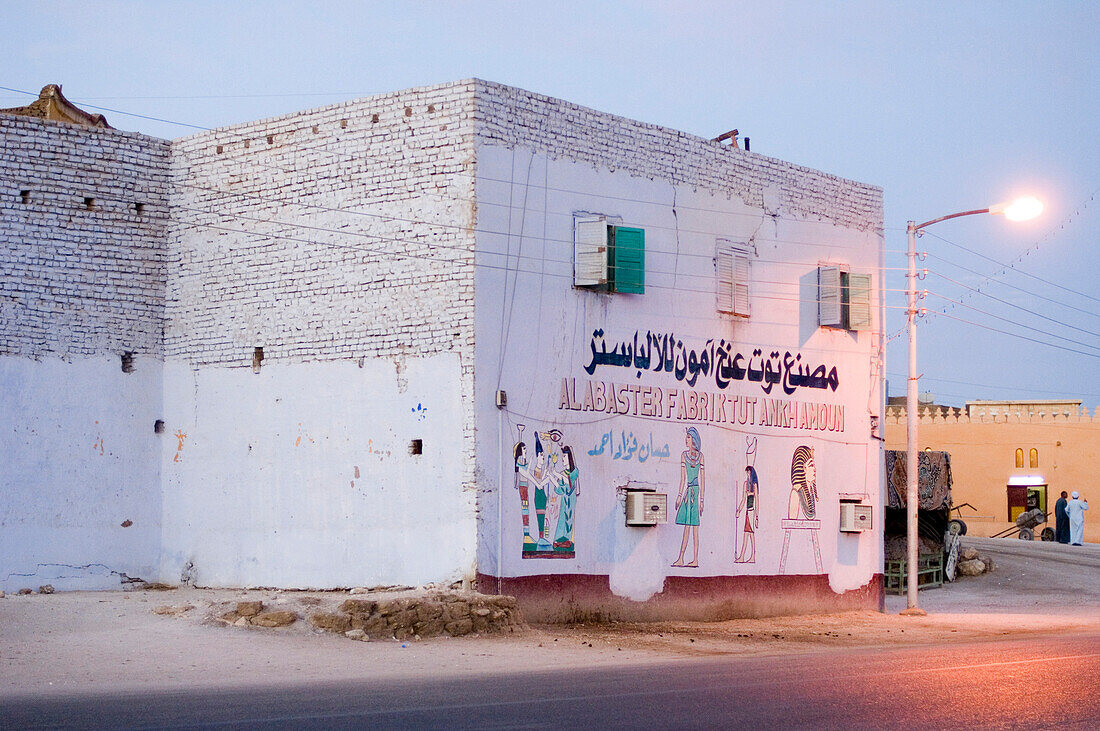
(516, 118)
(75, 281)
(364, 245)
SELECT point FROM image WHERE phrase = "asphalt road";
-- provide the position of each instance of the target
(987, 684)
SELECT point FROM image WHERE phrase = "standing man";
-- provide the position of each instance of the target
(1061, 520)
(1075, 509)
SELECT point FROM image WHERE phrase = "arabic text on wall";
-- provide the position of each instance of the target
(663, 352)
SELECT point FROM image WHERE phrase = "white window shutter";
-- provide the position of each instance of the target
(828, 297)
(741, 284)
(859, 302)
(724, 277)
(589, 252)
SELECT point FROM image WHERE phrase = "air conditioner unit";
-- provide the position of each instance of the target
(854, 517)
(646, 508)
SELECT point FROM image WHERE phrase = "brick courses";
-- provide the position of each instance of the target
(79, 279)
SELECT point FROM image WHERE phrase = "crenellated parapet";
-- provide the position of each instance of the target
(949, 415)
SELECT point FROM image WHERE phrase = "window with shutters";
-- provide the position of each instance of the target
(731, 265)
(608, 257)
(843, 299)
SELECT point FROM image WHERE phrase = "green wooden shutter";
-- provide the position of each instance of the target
(628, 260)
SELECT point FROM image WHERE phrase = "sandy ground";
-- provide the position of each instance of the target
(88, 642)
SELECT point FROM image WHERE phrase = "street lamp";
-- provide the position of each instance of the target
(1020, 209)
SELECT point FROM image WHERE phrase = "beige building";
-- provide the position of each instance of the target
(1008, 456)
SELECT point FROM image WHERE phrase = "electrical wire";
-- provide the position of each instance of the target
(1013, 305)
(1019, 271)
(436, 245)
(1019, 289)
(1014, 322)
(119, 111)
(1017, 335)
(987, 385)
(465, 229)
(402, 255)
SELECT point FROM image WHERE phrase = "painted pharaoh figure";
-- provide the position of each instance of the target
(802, 506)
(552, 482)
(748, 505)
(803, 499)
(689, 499)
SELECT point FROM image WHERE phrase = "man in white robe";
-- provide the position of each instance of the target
(1075, 509)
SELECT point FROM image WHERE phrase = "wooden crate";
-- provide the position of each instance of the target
(929, 573)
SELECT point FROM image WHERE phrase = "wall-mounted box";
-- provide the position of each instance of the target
(646, 508)
(854, 517)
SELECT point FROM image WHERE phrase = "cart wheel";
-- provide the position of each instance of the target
(956, 527)
(1047, 534)
(1026, 534)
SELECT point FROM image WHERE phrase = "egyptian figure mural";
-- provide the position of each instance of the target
(689, 499)
(747, 506)
(551, 479)
(802, 506)
(803, 499)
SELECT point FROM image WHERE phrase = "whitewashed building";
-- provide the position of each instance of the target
(450, 333)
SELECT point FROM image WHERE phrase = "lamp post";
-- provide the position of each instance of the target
(1020, 209)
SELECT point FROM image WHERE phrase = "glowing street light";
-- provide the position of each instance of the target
(1021, 209)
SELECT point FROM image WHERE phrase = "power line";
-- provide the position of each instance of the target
(518, 256)
(1016, 335)
(1013, 322)
(1019, 289)
(1006, 267)
(119, 111)
(459, 227)
(1016, 306)
(385, 253)
(345, 95)
(998, 388)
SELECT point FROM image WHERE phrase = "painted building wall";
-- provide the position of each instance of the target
(339, 241)
(557, 352)
(983, 459)
(82, 281)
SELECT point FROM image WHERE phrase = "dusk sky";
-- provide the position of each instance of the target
(948, 106)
